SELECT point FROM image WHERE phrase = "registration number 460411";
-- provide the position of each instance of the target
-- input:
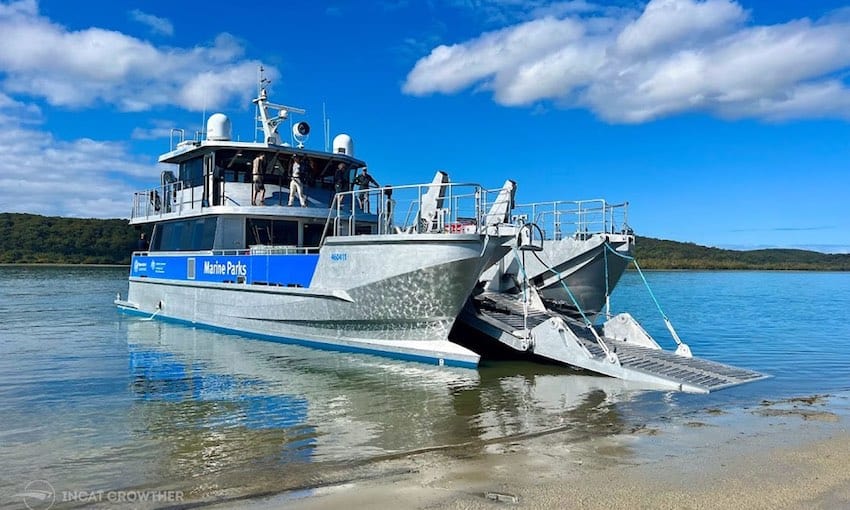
(339, 257)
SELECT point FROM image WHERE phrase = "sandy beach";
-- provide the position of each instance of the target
(785, 454)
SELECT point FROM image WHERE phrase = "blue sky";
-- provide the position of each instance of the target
(722, 122)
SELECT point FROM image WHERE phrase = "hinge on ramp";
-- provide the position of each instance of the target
(526, 340)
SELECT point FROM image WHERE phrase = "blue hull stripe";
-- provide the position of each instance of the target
(325, 346)
(294, 270)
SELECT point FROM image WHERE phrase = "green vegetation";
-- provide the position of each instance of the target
(29, 238)
(33, 239)
(660, 254)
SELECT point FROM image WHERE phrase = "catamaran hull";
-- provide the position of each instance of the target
(392, 295)
(578, 264)
(583, 267)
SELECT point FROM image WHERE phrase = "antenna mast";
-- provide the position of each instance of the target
(262, 84)
(325, 125)
(266, 123)
(204, 117)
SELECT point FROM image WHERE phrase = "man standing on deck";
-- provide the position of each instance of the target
(295, 183)
(257, 178)
(340, 180)
(364, 182)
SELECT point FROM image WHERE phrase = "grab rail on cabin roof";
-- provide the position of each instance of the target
(180, 139)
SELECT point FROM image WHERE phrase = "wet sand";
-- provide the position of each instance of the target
(787, 454)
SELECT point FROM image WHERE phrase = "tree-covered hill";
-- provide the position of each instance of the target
(29, 238)
(660, 254)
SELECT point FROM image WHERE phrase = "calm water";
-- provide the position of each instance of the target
(94, 400)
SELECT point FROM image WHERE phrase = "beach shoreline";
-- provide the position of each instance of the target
(777, 454)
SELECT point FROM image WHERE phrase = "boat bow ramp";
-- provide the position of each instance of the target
(618, 348)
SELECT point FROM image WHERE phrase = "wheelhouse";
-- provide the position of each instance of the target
(206, 203)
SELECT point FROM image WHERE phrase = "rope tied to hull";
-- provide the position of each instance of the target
(609, 354)
(681, 347)
(155, 313)
(607, 289)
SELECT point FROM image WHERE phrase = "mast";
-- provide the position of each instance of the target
(268, 124)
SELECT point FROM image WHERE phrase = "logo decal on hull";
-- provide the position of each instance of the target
(228, 268)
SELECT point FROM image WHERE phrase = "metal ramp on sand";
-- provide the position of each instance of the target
(618, 348)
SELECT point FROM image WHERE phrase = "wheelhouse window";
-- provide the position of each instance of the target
(185, 235)
(318, 171)
(192, 172)
(237, 166)
(313, 234)
(271, 232)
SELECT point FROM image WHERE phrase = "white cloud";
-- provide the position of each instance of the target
(40, 174)
(157, 25)
(451, 68)
(160, 129)
(673, 57)
(83, 68)
(667, 23)
(12, 111)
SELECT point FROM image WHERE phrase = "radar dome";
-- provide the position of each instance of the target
(218, 127)
(343, 145)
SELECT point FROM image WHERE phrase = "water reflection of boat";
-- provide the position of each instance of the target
(295, 403)
(225, 412)
(299, 399)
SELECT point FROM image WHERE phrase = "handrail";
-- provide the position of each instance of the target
(164, 199)
(171, 137)
(435, 207)
(575, 217)
(253, 251)
(384, 204)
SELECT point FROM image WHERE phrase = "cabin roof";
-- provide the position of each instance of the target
(189, 150)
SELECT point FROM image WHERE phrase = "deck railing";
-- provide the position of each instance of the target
(163, 200)
(578, 218)
(418, 208)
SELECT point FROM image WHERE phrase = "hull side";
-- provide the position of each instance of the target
(585, 276)
(580, 264)
(417, 355)
(402, 303)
